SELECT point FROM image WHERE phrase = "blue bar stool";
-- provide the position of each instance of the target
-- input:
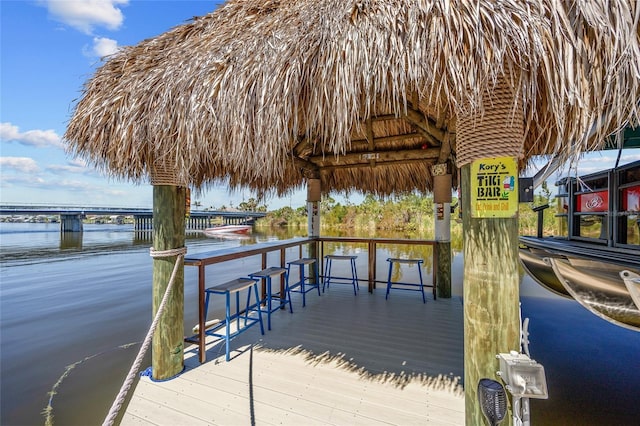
(418, 262)
(306, 283)
(229, 288)
(328, 277)
(283, 299)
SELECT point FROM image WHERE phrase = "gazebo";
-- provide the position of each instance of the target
(378, 96)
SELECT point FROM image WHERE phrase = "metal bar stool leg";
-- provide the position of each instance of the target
(354, 274)
(269, 302)
(228, 324)
(317, 276)
(255, 289)
(389, 280)
(304, 293)
(206, 307)
(424, 300)
(327, 273)
(287, 291)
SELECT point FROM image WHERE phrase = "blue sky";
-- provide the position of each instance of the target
(48, 49)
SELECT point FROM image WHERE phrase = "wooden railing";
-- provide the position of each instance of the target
(372, 246)
(316, 249)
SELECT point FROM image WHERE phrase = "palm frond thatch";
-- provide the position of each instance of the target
(261, 93)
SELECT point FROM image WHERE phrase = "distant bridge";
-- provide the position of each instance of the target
(71, 216)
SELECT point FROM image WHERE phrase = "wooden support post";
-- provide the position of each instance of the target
(489, 140)
(491, 297)
(443, 270)
(168, 233)
(313, 221)
(442, 201)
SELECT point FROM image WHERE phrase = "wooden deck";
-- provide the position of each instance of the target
(341, 360)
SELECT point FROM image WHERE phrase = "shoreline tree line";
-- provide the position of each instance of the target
(409, 213)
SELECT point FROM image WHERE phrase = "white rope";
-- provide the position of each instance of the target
(117, 404)
(167, 253)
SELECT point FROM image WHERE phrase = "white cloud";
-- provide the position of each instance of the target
(103, 46)
(21, 164)
(84, 15)
(65, 169)
(73, 166)
(78, 162)
(37, 138)
(115, 192)
(86, 190)
(76, 185)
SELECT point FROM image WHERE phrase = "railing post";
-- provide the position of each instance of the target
(372, 265)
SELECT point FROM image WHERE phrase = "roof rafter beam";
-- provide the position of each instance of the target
(420, 121)
(303, 148)
(307, 168)
(430, 139)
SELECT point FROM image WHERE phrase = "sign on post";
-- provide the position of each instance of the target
(494, 187)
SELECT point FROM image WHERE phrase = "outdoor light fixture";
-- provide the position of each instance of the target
(524, 379)
(493, 401)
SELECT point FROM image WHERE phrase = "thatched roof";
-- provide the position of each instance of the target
(364, 94)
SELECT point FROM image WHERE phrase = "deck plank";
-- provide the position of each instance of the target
(343, 359)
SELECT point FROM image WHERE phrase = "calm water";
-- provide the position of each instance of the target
(81, 301)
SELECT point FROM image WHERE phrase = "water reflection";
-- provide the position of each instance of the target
(97, 296)
(70, 240)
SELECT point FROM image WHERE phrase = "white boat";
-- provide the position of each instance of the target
(599, 240)
(228, 229)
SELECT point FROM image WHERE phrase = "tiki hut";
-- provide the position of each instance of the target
(378, 96)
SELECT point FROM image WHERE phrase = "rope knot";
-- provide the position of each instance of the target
(167, 253)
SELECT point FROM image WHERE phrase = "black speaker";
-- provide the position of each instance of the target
(525, 190)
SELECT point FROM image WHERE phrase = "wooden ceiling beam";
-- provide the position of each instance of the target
(370, 140)
(364, 158)
(364, 144)
(381, 117)
(427, 162)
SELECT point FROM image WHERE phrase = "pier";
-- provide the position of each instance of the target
(342, 359)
